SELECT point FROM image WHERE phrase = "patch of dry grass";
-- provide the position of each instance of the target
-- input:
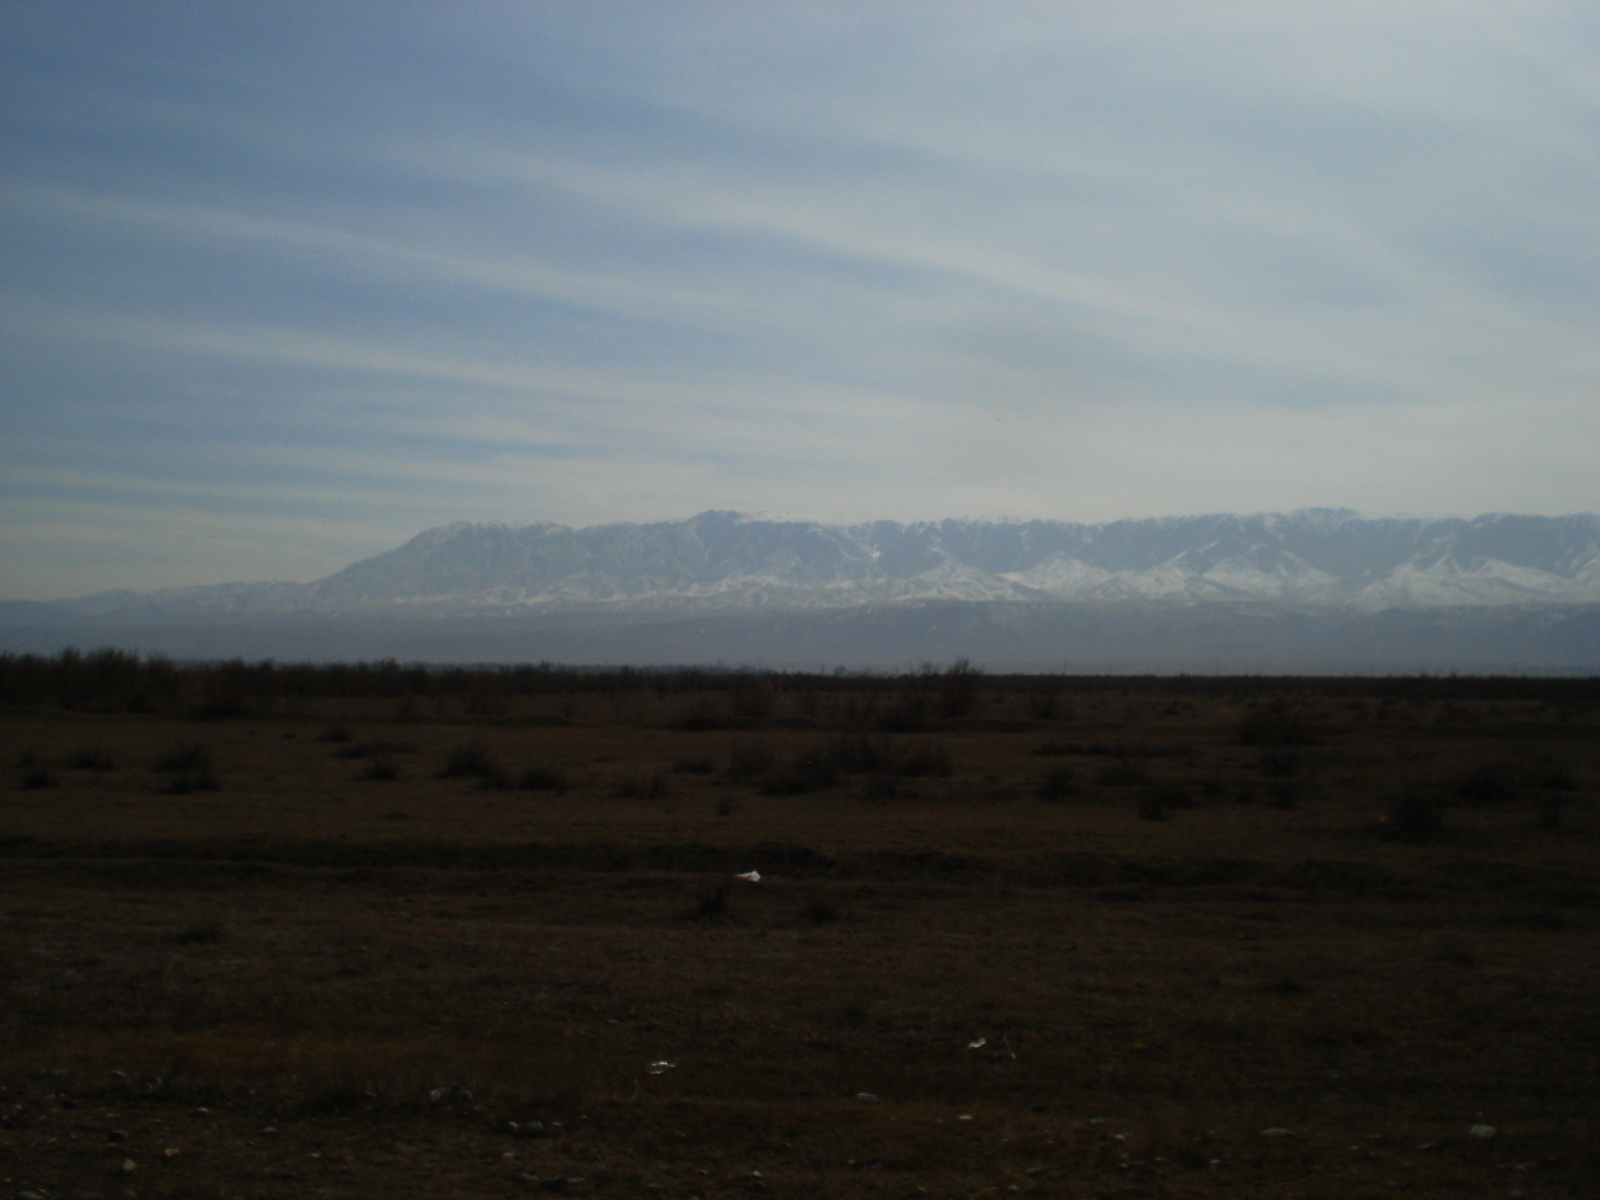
(1058, 998)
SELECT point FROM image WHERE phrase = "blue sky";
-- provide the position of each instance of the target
(282, 284)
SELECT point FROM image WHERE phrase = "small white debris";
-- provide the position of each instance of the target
(1481, 1131)
(750, 876)
(1276, 1133)
(977, 1043)
(129, 1166)
(660, 1067)
(964, 1117)
(866, 1097)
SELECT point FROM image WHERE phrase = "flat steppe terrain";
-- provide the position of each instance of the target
(1106, 945)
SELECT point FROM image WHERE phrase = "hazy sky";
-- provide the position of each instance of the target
(282, 284)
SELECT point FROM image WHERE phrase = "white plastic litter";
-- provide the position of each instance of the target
(752, 876)
(661, 1067)
(977, 1043)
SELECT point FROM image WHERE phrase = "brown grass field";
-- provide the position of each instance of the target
(1111, 945)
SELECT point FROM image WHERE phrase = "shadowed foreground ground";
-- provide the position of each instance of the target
(239, 961)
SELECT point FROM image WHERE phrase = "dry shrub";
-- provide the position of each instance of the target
(820, 910)
(1414, 815)
(185, 756)
(927, 760)
(1059, 784)
(376, 747)
(34, 778)
(712, 900)
(201, 933)
(1157, 802)
(184, 782)
(544, 777)
(470, 760)
(1548, 808)
(1278, 725)
(811, 770)
(1123, 772)
(644, 787)
(381, 770)
(751, 761)
(1280, 762)
(90, 758)
(1488, 783)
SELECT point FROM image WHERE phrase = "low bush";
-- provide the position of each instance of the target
(819, 910)
(711, 901)
(91, 759)
(644, 787)
(1123, 772)
(377, 746)
(471, 761)
(1284, 794)
(927, 760)
(200, 779)
(1150, 806)
(543, 777)
(186, 756)
(1413, 814)
(1275, 726)
(907, 716)
(880, 787)
(1488, 783)
(36, 777)
(812, 770)
(751, 761)
(1059, 784)
(201, 934)
(220, 706)
(1280, 762)
(1158, 801)
(1548, 808)
(1555, 777)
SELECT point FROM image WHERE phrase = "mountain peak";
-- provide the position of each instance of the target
(725, 560)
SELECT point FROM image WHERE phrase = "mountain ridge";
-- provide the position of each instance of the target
(724, 561)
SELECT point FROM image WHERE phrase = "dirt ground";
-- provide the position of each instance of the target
(1166, 947)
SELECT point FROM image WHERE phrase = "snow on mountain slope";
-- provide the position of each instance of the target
(723, 561)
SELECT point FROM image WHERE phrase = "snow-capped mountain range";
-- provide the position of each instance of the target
(727, 562)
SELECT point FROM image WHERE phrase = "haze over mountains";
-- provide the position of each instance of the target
(1317, 589)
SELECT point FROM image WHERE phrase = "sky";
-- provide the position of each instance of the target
(284, 283)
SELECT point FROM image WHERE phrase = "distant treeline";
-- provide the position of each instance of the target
(122, 681)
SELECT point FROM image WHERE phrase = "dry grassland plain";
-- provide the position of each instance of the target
(1090, 939)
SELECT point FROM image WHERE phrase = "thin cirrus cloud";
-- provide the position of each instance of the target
(285, 285)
